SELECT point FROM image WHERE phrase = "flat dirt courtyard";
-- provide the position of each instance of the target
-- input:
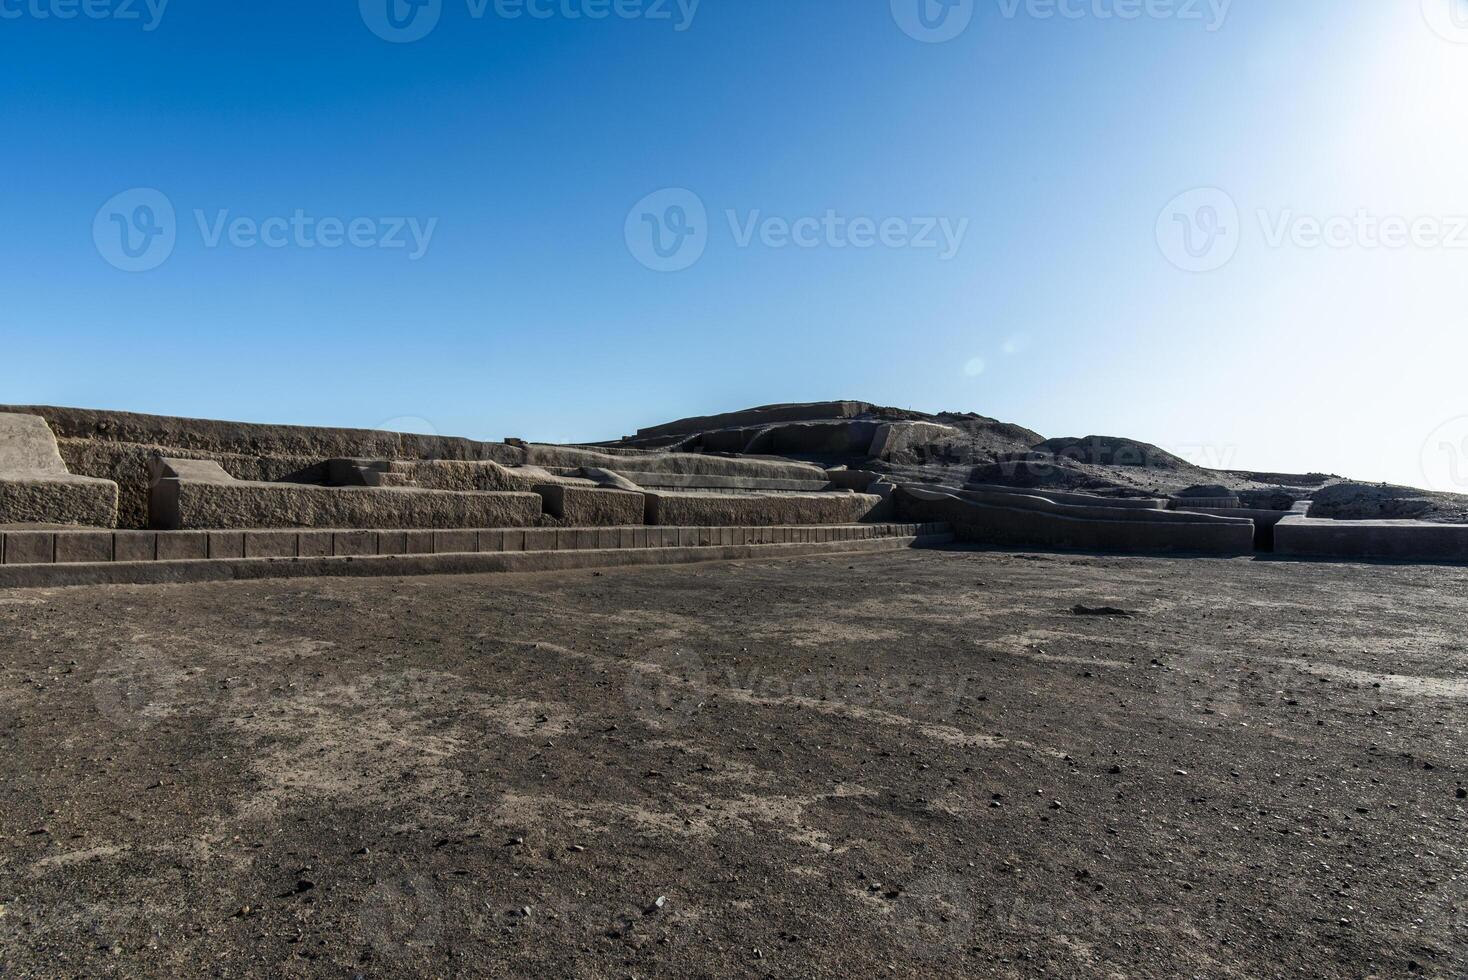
(915, 764)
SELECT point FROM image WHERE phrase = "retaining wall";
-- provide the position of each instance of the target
(194, 494)
(1012, 526)
(1025, 501)
(37, 488)
(36, 558)
(1078, 499)
(701, 509)
(1305, 537)
(1264, 521)
(685, 463)
(591, 507)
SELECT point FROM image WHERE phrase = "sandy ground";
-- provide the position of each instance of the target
(917, 764)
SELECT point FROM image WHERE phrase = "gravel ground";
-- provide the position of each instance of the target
(918, 764)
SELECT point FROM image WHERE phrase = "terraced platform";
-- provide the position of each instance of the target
(59, 558)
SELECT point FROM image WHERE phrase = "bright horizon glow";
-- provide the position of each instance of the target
(1053, 143)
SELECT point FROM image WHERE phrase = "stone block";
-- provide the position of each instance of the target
(37, 488)
(539, 539)
(30, 547)
(754, 510)
(314, 544)
(392, 543)
(226, 544)
(455, 542)
(83, 546)
(183, 546)
(353, 544)
(189, 494)
(591, 507)
(135, 546)
(1019, 521)
(270, 544)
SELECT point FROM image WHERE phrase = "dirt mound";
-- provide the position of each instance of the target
(986, 450)
(1205, 490)
(1271, 498)
(1287, 479)
(1113, 451)
(1383, 501)
(1035, 470)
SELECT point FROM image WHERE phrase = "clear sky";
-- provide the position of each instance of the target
(972, 209)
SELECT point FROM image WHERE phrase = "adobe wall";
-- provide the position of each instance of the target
(1070, 497)
(685, 463)
(1016, 527)
(1094, 511)
(255, 439)
(591, 507)
(1305, 537)
(119, 445)
(698, 510)
(196, 494)
(90, 503)
(758, 416)
(37, 488)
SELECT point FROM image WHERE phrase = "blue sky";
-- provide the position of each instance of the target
(998, 222)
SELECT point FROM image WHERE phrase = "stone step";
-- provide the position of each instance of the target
(387, 478)
(46, 559)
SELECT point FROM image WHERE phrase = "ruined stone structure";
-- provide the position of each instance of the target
(103, 494)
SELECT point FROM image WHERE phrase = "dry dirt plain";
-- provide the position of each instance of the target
(914, 764)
